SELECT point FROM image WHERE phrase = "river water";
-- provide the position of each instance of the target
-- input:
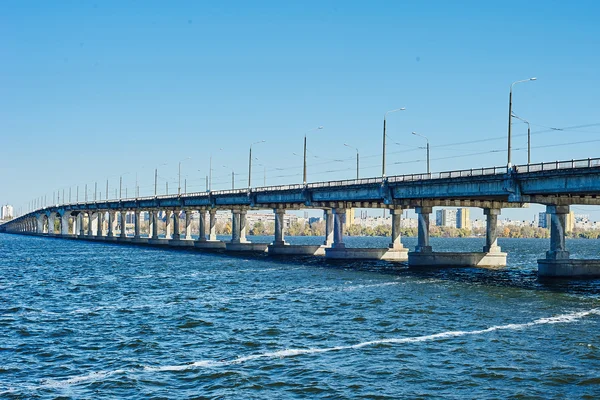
(94, 320)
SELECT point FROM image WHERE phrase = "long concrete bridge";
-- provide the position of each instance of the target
(558, 185)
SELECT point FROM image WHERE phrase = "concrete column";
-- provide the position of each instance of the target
(136, 224)
(79, 230)
(423, 229)
(176, 231)
(338, 227)
(99, 223)
(153, 228)
(201, 225)
(235, 226)
(111, 224)
(123, 223)
(168, 219)
(558, 229)
(64, 224)
(328, 217)
(279, 224)
(213, 225)
(89, 215)
(243, 227)
(491, 231)
(396, 220)
(188, 224)
(51, 224)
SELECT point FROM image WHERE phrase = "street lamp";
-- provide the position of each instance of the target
(179, 179)
(156, 179)
(304, 174)
(383, 158)
(120, 185)
(232, 176)
(250, 163)
(416, 134)
(509, 164)
(357, 157)
(528, 137)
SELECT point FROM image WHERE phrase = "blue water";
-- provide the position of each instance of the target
(97, 320)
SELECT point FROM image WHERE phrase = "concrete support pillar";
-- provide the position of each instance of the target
(491, 231)
(99, 223)
(64, 224)
(176, 230)
(423, 229)
(153, 228)
(51, 224)
(40, 224)
(111, 224)
(123, 223)
(235, 226)
(213, 225)
(243, 227)
(328, 217)
(136, 224)
(90, 224)
(338, 227)
(201, 225)
(188, 224)
(168, 219)
(396, 222)
(558, 230)
(279, 225)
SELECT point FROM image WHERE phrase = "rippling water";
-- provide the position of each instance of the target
(89, 320)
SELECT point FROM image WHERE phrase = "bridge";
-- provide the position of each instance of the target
(557, 185)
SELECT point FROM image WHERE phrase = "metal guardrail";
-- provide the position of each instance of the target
(525, 168)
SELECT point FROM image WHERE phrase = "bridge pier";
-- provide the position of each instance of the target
(110, 235)
(557, 262)
(123, 216)
(491, 256)
(238, 235)
(280, 247)
(212, 242)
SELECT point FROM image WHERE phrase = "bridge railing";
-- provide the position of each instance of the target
(554, 165)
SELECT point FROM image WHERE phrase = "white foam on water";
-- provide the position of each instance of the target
(564, 318)
(93, 376)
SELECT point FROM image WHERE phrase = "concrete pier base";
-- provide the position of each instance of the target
(568, 268)
(452, 259)
(181, 243)
(247, 247)
(210, 244)
(159, 242)
(388, 254)
(134, 240)
(296, 250)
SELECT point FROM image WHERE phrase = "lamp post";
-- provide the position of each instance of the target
(304, 173)
(121, 185)
(250, 164)
(232, 176)
(156, 179)
(528, 136)
(509, 164)
(357, 157)
(179, 176)
(416, 134)
(383, 157)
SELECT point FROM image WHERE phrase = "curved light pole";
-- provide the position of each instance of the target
(384, 119)
(416, 134)
(156, 179)
(121, 185)
(528, 137)
(304, 173)
(179, 176)
(509, 164)
(250, 163)
(357, 157)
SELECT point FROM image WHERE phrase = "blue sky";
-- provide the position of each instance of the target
(95, 89)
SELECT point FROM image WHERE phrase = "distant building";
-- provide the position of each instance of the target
(445, 217)
(544, 221)
(7, 212)
(463, 220)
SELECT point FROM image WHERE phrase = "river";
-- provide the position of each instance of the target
(96, 320)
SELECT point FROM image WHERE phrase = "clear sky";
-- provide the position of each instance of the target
(95, 89)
